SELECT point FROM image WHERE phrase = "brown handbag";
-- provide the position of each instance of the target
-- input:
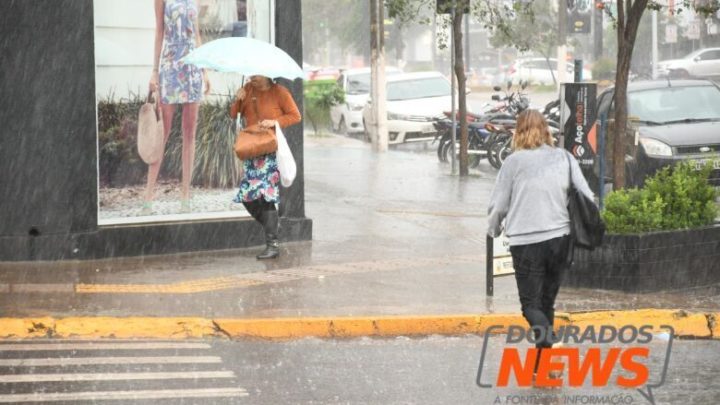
(254, 141)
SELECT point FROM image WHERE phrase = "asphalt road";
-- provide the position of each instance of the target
(435, 370)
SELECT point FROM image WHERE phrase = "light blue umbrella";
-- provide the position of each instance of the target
(244, 55)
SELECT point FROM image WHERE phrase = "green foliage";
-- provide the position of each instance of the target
(603, 69)
(120, 164)
(677, 197)
(320, 96)
(542, 38)
(215, 163)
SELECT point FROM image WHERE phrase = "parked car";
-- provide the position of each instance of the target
(675, 120)
(414, 101)
(537, 71)
(701, 63)
(347, 117)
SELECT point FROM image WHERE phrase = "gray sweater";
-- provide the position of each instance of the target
(531, 195)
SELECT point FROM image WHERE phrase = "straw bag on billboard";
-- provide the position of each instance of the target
(150, 143)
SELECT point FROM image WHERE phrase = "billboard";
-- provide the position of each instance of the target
(578, 117)
(138, 47)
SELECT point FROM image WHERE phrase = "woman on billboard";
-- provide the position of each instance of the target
(177, 32)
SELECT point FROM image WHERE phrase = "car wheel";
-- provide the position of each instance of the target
(342, 127)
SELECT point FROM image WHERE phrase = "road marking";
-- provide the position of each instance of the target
(75, 361)
(180, 375)
(14, 347)
(127, 395)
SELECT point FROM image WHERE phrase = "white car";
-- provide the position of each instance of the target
(414, 101)
(347, 117)
(701, 63)
(537, 71)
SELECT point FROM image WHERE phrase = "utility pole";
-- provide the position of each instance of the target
(654, 44)
(597, 33)
(378, 126)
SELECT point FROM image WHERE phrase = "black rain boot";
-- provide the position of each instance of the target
(270, 225)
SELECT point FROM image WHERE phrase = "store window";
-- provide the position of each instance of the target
(130, 189)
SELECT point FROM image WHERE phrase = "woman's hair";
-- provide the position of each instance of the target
(532, 131)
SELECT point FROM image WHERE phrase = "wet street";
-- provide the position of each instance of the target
(432, 370)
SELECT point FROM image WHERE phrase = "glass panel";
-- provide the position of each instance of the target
(125, 40)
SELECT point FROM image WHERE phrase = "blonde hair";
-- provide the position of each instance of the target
(532, 131)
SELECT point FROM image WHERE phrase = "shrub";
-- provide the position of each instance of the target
(676, 197)
(320, 96)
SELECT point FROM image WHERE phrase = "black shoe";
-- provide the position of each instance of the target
(272, 249)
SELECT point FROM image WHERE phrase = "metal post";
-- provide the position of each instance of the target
(654, 45)
(453, 160)
(601, 157)
(578, 68)
(489, 279)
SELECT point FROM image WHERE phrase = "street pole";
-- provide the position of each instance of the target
(453, 150)
(562, 49)
(654, 44)
(382, 89)
(378, 126)
(597, 34)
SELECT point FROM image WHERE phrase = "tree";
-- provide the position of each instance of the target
(542, 38)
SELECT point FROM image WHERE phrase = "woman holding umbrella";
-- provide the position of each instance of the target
(263, 102)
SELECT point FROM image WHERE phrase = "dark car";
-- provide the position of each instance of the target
(670, 121)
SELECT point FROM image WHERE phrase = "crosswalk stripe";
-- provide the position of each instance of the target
(181, 375)
(120, 395)
(101, 346)
(74, 361)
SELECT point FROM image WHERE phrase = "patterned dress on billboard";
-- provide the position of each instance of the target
(179, 83)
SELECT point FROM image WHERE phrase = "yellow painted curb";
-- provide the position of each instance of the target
(686, 324)
(135, 327)
(26, 328)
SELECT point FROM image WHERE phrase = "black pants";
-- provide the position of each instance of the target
(539, 269)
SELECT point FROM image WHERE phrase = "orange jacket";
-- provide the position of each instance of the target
(273, 104)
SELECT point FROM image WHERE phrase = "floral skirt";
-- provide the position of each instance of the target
(260, 181)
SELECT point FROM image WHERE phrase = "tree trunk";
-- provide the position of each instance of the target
(461, 81)
(628, 21)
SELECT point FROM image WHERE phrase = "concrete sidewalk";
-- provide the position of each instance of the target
(394, 235)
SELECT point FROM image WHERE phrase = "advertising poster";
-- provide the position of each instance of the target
(129, 36)
(578, 117)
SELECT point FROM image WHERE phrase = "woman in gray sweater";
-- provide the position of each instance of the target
(531, 196)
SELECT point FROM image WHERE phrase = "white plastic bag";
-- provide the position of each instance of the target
(286, 162)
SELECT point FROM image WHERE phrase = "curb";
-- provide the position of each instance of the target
(686, 324)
